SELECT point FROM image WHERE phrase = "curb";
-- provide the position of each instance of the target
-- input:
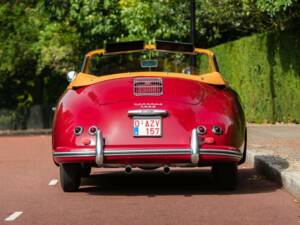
(25, 132)
(277, 169)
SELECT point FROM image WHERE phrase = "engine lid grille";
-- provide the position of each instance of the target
(148, 86)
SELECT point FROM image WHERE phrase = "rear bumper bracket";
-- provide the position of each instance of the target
(99, 148)
(194, 147)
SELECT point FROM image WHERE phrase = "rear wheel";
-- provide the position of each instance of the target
(70, 175)
(225, 175)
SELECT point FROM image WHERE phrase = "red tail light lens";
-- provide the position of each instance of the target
(217, 130)
(78, 130)
(93, 130)
(201, 130)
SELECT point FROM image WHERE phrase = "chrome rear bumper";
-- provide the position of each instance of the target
(145, 152)
(194, 151)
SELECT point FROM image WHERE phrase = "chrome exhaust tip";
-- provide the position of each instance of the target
(167, 170)
(128, 169)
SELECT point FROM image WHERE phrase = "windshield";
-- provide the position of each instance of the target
(162, 61)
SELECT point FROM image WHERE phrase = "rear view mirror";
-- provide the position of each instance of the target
(71, 76)
(150, 63)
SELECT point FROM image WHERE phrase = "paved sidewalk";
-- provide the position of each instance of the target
(275, 152)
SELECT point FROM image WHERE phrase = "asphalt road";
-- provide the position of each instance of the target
(186, 196)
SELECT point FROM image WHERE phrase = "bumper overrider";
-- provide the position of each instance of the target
(194, 152)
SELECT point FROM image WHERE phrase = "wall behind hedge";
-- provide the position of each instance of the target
(265, 70)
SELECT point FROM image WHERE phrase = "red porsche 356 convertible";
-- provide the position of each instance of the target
(148, 106)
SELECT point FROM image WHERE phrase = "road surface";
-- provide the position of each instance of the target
(109, 197)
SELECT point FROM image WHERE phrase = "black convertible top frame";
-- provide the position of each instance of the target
(174, 46)
(140, 45)
(124, 46)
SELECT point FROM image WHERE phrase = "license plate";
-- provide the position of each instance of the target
(147, 127)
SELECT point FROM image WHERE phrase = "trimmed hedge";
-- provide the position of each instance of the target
(265, 70)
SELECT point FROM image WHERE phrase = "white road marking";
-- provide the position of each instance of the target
(53, 182)
(13, 216)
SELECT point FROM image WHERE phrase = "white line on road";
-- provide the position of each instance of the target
(13, 216)
(53, 182)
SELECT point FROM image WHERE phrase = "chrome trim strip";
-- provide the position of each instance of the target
(146, 152)
(140, 152)
(99, 148)
(220, 151)
(147, 112)
(221, 154)
(83, 153)
(194, 147)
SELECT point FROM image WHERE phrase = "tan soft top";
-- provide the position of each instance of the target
(214, 78)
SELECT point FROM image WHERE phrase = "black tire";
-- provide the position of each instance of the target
(85, 170)
(70, 176)
(226, 175)
(243, 159)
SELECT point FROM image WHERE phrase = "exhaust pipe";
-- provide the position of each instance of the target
(128, 169)
(167, 170)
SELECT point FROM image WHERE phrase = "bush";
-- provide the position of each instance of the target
(265, 70)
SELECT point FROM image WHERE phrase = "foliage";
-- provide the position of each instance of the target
(265, 71)
(274, 6)
(20, 27)
(147, 20)
(43, 39)
(222, 21)
(94, 21)
(217, 21)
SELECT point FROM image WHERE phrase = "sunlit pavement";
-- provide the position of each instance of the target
(30, 194)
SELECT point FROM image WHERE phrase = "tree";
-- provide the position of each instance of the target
(42, 39)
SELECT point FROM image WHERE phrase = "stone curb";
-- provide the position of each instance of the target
(277, 169)
(25, 132)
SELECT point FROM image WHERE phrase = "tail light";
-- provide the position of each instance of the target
(93, 130)
(217, 130)
(78, 130)
(201, 130)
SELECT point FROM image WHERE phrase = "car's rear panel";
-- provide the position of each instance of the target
(108, 106)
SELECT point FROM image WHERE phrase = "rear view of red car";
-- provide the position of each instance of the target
(148, 106)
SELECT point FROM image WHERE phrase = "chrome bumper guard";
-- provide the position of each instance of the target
(99, 148)
(193, 151)
(194, 147)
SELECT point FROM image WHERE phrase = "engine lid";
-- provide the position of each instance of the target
(147, 88)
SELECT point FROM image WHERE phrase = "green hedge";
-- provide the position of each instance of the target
(265, 70)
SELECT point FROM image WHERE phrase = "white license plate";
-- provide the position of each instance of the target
(147, 127)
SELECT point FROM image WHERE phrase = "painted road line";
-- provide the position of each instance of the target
(53, 182)
(13, 216)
